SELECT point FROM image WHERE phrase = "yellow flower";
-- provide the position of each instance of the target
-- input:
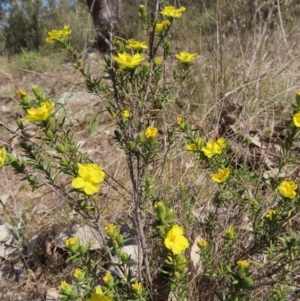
(72, 243)
(21, 93)
(2, 156)
(287, 189)
(221, 142)
(129, 61)
(90, 175)
(175, 240)
(79, 274)
(158, 60)
(158, 204)
(180, 120)
(108, 279)
(214, 147)
(110, 229)
(40, 114)
(58, 34)
(99, 296)
(191, 147)
(185, 57)
(296, 119)
(126, 114)
(221, 176)
(202, 244)
(229, 232)
(271, 214)
(163, 26)
(136, 45)
(151, 132)
(243, 263)
(172, 12)
(65, 288)
(137, 288)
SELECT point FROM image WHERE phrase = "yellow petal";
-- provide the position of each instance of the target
(78, 183)
(91, 188)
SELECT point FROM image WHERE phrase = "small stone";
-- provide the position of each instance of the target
(52, 294)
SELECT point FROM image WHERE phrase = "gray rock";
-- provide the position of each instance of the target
(86, 233)
(9, 250)
(52, 294)
(132, 249)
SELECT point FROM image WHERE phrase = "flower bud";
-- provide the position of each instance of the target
(25, 145)
(180, 262)
(142, 12)
(168, 47)
(174, 73)
(64, 162)
(49, 134)
(18, 166)
(160, 210)
(169, 216)
(84, 249)
(20, 124)
(161, 231)
(254, 203)
(148, 183)
(141, 137)
(107, 60)
(247, 282)
(119, 45)
(32, 180)
(120, 239)
(202, 244)
(70, 49)
(51, 120)
(177, 275)
(131, 145)
(37, 92)
(79, 65)
(298, 98)
(125, 257)
(119, 253)
(61, 148)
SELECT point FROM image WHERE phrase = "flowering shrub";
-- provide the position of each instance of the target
(236, 255)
